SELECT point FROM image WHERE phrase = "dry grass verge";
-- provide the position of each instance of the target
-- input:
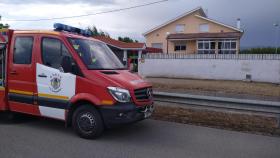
(267, 125)
(216, 86)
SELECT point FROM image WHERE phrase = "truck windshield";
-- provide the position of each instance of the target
(96, 55)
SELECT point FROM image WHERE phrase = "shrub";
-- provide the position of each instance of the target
(264, 50)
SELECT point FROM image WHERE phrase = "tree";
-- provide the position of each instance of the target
(3, 26)
(260, 50)
(127, 40)
(96, 32)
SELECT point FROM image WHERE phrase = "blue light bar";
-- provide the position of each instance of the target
(62, 27)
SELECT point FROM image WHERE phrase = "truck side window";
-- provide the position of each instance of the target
(56, 55)
(2, 63)
(23, 50)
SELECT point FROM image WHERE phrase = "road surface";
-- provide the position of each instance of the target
(44, 138)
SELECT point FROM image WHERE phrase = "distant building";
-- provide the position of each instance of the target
(193, 32)
(3, 35)
(128, 53)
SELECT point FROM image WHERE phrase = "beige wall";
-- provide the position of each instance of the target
(191, 47)
(190, 44)
(191, 26)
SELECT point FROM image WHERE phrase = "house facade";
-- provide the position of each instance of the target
(193, 32)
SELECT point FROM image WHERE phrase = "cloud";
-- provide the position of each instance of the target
(256, 19)
(93, 2)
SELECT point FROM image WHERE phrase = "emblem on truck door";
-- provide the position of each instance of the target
(55, 83)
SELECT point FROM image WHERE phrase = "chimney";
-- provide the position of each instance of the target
(238, 23)
(206, 12)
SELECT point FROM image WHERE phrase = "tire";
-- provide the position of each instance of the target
(87, 122)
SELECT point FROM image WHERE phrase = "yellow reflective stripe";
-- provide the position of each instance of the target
(20, 92)
(37, 31)
(2, 88)
(4, 30)
(53, 96)
(106, 102)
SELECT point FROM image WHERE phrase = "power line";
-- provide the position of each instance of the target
(91, 14)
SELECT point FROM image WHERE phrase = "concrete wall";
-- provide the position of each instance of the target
(217, 69)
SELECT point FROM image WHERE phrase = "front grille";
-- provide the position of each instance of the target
(143, 94)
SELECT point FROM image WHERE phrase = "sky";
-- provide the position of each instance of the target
(257, 16)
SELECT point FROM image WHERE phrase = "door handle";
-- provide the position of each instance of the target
(13, 72)
(42, 75)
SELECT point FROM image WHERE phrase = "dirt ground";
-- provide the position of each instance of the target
(225, 120)
(238, 89)
(252, 123)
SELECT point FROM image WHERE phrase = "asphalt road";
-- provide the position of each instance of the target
(43, 138)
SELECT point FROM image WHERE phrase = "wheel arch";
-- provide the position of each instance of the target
(80, 100)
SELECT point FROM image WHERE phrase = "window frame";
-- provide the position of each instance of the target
(210, 50)
(180, 45)
(79, 73)
(183, 26)
(32, 48)
(3, 54)
(230, 49)
(157, 47)
(42, 56)
(200, 27)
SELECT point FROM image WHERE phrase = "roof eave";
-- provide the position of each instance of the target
(219, 23)
(172, 20)
(143, 48)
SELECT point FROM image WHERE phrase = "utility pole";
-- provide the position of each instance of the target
(276, 25)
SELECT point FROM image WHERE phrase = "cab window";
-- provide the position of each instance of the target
(23, 50)
(2, 63)
(56, 55)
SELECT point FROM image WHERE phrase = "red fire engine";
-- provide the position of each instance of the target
(66, 75)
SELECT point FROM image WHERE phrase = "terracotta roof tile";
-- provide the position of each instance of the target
(152, 50)
(120, 44)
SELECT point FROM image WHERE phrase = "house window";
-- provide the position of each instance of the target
(180, 47)
(204, 28)
(180, 28)
(227, 46)
(206, 47)
(157, 45)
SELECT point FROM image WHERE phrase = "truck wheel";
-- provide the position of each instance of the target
(87, 122)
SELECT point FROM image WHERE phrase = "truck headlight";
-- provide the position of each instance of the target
(120, 94)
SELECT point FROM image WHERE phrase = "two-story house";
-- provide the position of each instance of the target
(193, 32)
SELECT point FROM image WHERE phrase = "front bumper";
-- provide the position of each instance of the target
(124, 113)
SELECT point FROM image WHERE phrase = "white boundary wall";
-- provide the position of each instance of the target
(217, 69)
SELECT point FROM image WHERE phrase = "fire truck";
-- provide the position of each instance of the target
(67, 75)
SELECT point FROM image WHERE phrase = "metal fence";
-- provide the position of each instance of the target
(213, 56)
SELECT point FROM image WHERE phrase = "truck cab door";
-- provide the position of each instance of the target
(21, 77)
(55, 82)
(2, 76)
